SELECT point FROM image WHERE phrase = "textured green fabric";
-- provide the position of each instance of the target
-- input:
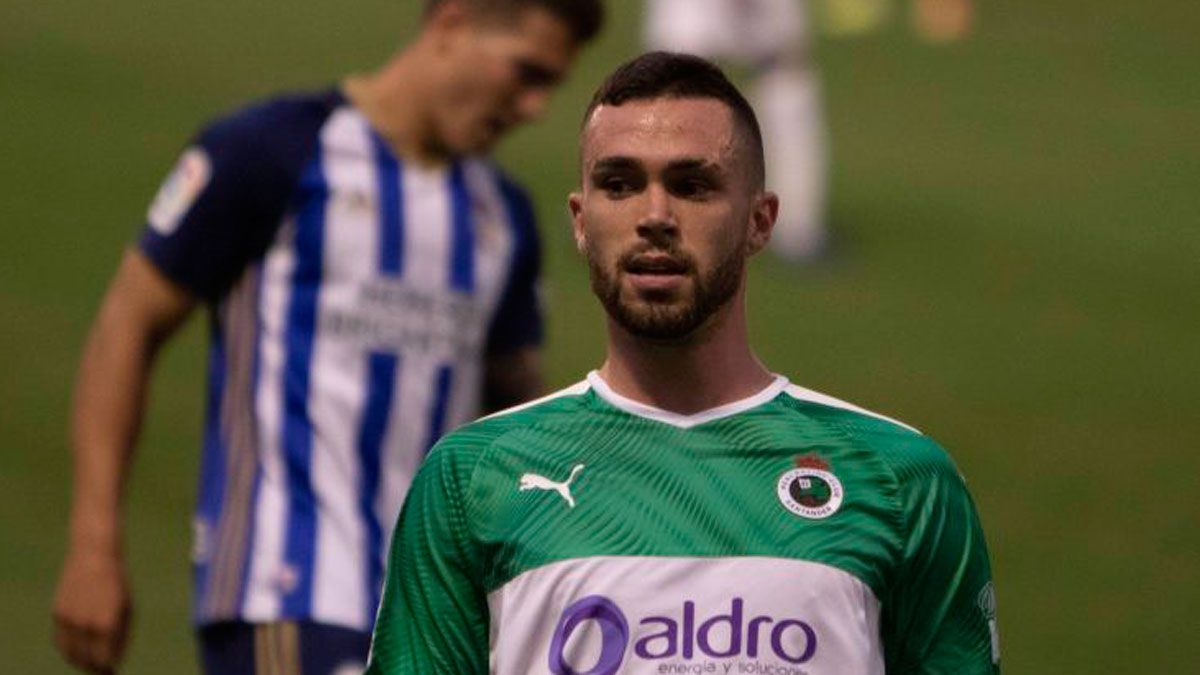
(906, 526)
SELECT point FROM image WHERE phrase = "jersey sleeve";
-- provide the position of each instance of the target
(221, 205)
(433, 617)
(940, 615)
(518, 321)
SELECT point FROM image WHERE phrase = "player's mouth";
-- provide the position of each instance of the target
(656, 271)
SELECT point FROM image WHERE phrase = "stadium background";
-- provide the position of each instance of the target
(1018, 275)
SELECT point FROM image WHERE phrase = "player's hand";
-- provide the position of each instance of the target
(92, 611)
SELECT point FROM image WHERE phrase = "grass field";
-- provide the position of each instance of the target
(1018, 275)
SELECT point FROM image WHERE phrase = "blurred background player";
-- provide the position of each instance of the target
(771, 39)
(935, 21)
(371, 284)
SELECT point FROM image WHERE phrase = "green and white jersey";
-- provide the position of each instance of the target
(789, 533)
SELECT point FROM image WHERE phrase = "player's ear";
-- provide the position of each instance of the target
(446, 21)
(575, 204)
(761, 221)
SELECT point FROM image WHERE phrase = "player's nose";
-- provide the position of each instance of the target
(658, 215)
(658, 203)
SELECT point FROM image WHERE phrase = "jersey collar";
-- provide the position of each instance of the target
(676, 419)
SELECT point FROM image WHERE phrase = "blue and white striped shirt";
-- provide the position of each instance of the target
(354, 299)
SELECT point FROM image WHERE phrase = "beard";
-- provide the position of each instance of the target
(667, 317)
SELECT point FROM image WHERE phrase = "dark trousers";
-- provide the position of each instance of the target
(282, 648)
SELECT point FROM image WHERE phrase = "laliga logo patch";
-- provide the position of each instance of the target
(179, 191)
(810, 490)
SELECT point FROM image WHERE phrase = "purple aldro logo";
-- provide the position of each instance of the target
(683, 636)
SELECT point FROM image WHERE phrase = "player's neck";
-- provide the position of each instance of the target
(390, 100)
(712, 367)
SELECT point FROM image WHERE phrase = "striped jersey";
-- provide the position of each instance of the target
(789, 533)
(354, 300)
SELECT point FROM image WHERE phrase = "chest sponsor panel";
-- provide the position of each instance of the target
(652, 614)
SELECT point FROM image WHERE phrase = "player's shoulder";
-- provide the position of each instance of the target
(896, 443)
(844, 413)
(285, 110)
(477, 437)
(284, 119)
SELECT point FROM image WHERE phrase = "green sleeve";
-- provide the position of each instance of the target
(939, 613)
(433, 617)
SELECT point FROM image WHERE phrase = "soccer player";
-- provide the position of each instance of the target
(370, 277)
(683, 509)
(936, 21)
(771, 38)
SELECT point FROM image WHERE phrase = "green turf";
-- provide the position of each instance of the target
(1017, 273)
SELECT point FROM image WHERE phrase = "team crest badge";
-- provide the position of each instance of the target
(810, 490)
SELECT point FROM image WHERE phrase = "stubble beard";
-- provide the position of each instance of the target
(669, 319)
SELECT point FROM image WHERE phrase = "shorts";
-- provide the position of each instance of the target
(749, 31)
(282, 648)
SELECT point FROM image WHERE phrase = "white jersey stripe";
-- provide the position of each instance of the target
(381, 385)
(262, 588)
(682, 421)
(299, 545)
(339, 369)
(803, 394)
(400, 458)
(578, 389)
(427, 244)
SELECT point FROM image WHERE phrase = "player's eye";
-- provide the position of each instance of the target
(693, 180)
(692, 188)
(616, 185)
(531, 74)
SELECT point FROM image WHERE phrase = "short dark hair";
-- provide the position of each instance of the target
(668, 75)
(585, 18)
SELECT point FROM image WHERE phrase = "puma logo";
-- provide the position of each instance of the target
(533, 481)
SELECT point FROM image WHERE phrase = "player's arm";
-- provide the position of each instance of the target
(140, 310)
(214, 214)
(433, 617)
(940, 616)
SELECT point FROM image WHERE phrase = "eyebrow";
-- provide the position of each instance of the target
(620, 162)
(615, 164)
(692, 164)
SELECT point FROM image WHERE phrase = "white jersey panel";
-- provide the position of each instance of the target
(643, 615)
(427, 228)
(426, 264)
(803, 394)
(338, 372)
(427, 218)
(266, 575)
(400, 462)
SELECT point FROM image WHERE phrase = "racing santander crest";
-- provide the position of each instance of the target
(810, 490)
